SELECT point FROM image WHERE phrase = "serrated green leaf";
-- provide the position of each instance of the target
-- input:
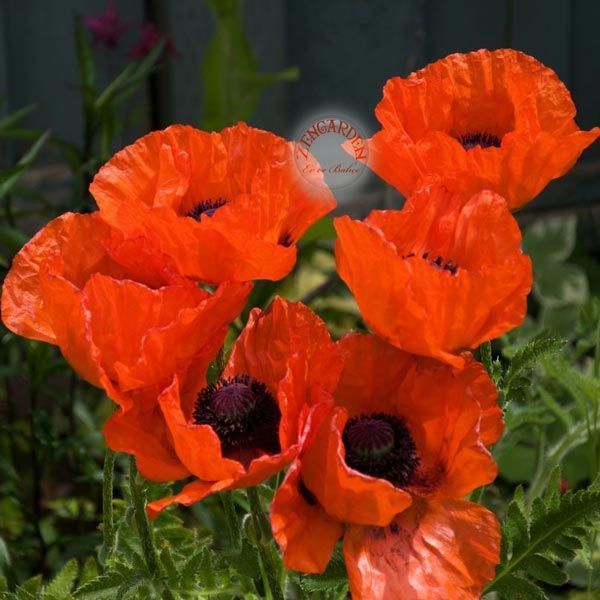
(30, 589)
(518, 588)
(552, 493)
(190, 571)
(556, 529)
(545, 570)
(166, 558)
(334, 577)
(542, 345)
(102, 587)
(89, 570)
(62, 585)
(130, 585)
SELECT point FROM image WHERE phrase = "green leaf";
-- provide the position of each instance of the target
(9, 121)
(231, 81)
(85, 64)
(518, 588)
(322, 230)
(542, 345)
(89, 570)
(334, 577)
(561, 285)
(30, 589)
(61, 586)
(539, 567)
(9, 177)
(130, 585)
(554, 530)
(550, 240)
(102, 587)
(3, 584)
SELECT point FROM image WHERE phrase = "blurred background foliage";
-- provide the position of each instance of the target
(50, 443)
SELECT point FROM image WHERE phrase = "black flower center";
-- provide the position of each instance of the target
(244, 415)
(438, 262)
(485, 140)
(205, 208)
(380, 445)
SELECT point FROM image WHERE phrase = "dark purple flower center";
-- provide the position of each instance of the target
(380, 445)
(205, 208)
(485, 140)
(244, 415)
(285, 239)
(438, 262)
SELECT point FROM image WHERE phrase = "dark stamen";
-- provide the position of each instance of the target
(285, 239)
(439, 262)
(206, 208)
(244, 415)
(380, 445)
(485, 140)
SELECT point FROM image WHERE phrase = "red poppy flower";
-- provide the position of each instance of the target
(438, 276)
(126, 336)
(387, 468)
(497, 120)
(248, 426)
(224, 206)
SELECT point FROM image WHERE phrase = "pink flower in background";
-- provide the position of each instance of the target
(106, 27)
(149, 37)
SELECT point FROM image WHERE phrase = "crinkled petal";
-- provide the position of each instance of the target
(433, 551)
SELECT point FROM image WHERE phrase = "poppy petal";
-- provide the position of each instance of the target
(433, 550)
(304, 531)
(142, 433)
(191, 493)
(60, 242)
(289, 349)
(452, 415)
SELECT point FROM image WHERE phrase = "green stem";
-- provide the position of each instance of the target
(231, 518)
(138, 500)
(108, 528)
(571, 439)
(263, 536)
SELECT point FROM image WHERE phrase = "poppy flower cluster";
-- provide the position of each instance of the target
(383, 434)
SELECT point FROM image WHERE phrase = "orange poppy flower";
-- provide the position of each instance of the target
(438, 276)
(497, 120)
(225, 206)
(387, 468)
(126, 336)
(249, 425)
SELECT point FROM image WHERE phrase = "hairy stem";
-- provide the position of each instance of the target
(263, 535)
(138, 500)
(108, 525)
(231, 518)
